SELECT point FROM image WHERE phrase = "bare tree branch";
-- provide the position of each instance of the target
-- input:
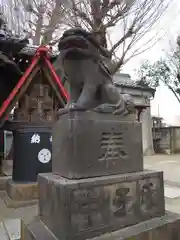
(129, 22)
(133, 18)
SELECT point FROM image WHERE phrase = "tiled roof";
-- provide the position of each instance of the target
(30, 51)
(124, 80)
(134, 85)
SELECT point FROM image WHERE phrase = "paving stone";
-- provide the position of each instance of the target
(3, 233)
(171, 192)
(12, 227)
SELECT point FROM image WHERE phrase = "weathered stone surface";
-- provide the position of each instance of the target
(36, 230)
(22, 191)
(87, 144)
(20, 195)
(7, 166)
(11, 203)
(80, 209)
(160, 228)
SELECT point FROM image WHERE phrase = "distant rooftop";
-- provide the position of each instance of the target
(156, 117)
(30, 51)
(124, 80)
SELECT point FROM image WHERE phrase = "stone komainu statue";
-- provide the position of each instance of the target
(90, 82)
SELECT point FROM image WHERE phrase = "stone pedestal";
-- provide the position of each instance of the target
(160, 228)
(81, 209)
(92, 145)
(98, 185)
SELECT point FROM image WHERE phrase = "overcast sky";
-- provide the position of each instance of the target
(170, 23)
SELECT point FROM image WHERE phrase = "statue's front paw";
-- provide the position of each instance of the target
(75, 106)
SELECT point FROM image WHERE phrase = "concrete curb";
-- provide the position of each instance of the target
(171, 183)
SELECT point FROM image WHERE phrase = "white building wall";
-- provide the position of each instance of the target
(141, 97)
(147, 139)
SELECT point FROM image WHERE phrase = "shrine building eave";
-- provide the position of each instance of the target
(24, 57)
(137, 87)
(28, 52)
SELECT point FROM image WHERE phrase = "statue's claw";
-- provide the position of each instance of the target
(71, 107)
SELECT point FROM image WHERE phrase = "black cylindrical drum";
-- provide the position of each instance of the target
(32, 152)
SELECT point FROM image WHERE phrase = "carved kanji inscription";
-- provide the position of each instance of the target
(112, 147)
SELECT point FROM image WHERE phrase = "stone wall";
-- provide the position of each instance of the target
(169, 141)
(148, 148)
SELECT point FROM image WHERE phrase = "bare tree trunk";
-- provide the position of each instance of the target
(98, 26)
(174, 92)
(134, 19)
(37, 36)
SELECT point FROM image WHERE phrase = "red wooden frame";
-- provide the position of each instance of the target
(41, 53)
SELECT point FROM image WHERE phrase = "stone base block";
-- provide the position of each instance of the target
(161, 228)
(89, 144)
(3, 182)
(10, 203)
(7, 167)
(20, 194)
(22, 191)
(36, 230)
(82, 209)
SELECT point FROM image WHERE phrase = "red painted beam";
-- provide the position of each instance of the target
(41, 53)
(56, 78)
(18, 86)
